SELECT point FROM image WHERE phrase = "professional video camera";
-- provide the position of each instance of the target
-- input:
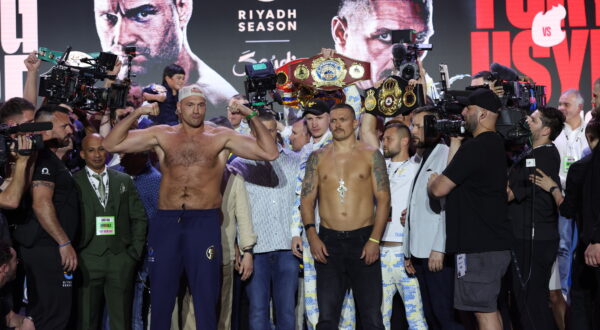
(406, 52)
(260, 82)
(72, 80)
(520, 99)
(449, 108)
(6, 140)
(396, 95)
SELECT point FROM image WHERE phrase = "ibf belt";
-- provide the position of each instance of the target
(326, 73)
(394, 97)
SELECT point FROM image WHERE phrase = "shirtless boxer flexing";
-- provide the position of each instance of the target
(185, 233)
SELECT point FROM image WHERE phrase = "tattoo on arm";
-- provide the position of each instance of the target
(42, 184)
(308, 184)
(380, 172)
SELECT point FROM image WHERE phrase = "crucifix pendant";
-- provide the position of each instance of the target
(341, 190)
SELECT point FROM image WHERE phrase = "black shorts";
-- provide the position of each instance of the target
(478, 289)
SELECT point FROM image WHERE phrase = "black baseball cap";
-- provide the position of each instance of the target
(482, 97)
(316, 107)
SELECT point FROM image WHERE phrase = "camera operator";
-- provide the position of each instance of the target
(45, 236)
(12, 188)
(534, 217)
(483, 78)
(14, 112)
(425, 229)
(477, 229)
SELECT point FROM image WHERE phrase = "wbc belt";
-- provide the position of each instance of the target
(394, 97)
(326, 73)
(285, 85)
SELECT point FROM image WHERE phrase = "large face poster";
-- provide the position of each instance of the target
(555, 42)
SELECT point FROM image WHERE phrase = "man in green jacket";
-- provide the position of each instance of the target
(113, 236)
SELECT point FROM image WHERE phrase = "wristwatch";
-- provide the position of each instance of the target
(552, 189)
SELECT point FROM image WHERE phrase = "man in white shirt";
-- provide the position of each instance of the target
(571, 144)
(401, 172)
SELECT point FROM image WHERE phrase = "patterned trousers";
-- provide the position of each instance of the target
(395, 278)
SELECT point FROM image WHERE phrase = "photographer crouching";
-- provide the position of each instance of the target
(534, 218)
(477, 231)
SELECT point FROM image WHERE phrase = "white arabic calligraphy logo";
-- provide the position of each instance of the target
(248, 57)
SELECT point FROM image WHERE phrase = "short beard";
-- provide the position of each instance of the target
(421, 144)
(64, 142)
(470, 125)
(390, 154)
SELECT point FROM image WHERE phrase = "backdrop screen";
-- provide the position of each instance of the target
(555, 42)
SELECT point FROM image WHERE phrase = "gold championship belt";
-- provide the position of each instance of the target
(394, 97)
(326, 73)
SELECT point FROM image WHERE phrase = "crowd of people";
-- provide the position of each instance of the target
(153, 217)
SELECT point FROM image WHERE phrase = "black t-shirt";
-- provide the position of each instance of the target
(167, 108)
(48, 167)
(476, 208)
(545, 211)
(572, 205)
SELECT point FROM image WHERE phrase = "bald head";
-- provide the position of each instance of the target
(94, 138)
(93, 152)
(570, 104)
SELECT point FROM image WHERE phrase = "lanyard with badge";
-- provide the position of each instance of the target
(571, 157)
(105, 225)
(400, 168)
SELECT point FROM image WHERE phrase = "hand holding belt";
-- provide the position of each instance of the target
(395, 96)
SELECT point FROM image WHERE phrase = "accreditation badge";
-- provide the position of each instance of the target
(567, 162)
(461, 265)
(105, 226)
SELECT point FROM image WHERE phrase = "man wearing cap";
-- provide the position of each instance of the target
(184, 235)
(478, 232)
